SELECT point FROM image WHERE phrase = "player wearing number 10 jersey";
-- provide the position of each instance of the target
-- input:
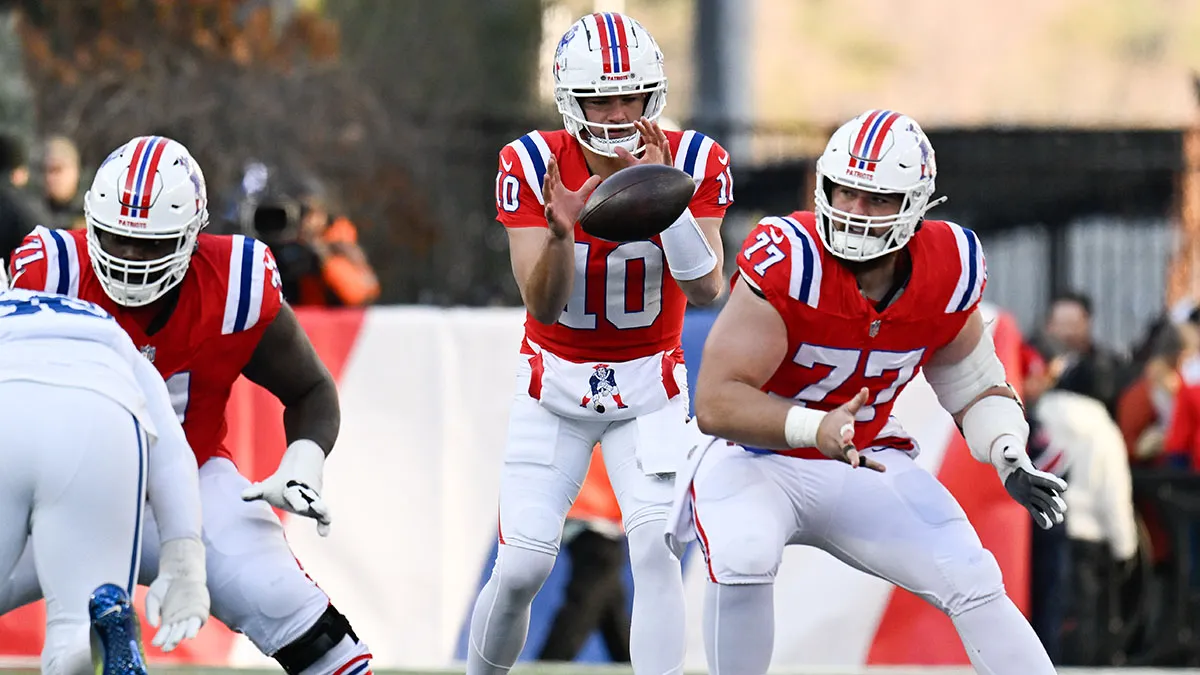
(601, 358)
(833, 314)
(206, 309)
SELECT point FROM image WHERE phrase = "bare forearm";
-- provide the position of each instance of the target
(286, 364)
(706, 289)
(315, 416)
(743, 414)
(549, 285)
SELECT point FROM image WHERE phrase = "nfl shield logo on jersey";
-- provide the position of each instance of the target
(603, 386)
(148, 351)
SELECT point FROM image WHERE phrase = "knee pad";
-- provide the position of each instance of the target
(330, 631)
(520, 572)
(647, 547)
(531, 525)
(256, 585)
(746, 559)
(974, 579)
(646, 500)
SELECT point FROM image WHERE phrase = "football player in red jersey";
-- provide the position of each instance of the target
(206, 309)
(601, 358)
(832, 315)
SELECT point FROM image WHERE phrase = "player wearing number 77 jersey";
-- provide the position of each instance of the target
(206, 309)
(833, 314)
(601, 358)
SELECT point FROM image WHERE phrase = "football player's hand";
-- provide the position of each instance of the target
(296, 485)
(563, 204)
(654, 139)
(835, 435)
(1039, 492)
(177, 601)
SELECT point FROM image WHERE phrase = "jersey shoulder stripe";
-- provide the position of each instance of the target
(534, 154)
(972, 270)
(247, 276)
(62, 261)
(806, 267)
(692, 155)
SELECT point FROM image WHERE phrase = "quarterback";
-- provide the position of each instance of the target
(601, 358)
(833, 313)
(206, 309)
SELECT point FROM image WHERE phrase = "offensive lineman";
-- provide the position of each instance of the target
(89, 434)
(601, 359)
(206, 309)
(834, 313)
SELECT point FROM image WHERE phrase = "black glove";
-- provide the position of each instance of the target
(1039, 492)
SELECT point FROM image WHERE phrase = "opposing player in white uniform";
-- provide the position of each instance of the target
(207, 309)
(601, 360)
(89, 435)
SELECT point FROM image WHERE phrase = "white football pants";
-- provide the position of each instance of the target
(73, 480)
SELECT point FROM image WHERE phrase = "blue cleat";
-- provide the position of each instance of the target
(115, 632)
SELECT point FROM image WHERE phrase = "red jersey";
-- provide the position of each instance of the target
(624, 304)
(838, 342)
(228, 297)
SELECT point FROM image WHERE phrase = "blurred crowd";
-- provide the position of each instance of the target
(1113, 584)
(315, 246)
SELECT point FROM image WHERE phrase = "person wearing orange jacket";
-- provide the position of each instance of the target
(319, 260)
(342, 276)
(595, 596)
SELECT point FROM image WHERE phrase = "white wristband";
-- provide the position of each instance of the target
(800, 429)
(689, 255)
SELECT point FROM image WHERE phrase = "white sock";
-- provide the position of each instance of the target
(500, 621)
(739, 628)
(657, 632)
(999, 641)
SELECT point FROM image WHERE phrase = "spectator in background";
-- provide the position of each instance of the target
(595, 595)
(318, 254)
(1144, 408)
(19, 213)
(60, 183)
(1144, 414)
(1100, 521)
(345, 277)
(1096, 370)
(1050, 550)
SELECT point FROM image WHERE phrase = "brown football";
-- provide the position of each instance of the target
(637, 203)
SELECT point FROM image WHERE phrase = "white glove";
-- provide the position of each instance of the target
(178, 598)
(296, 485)
(1039, 492)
